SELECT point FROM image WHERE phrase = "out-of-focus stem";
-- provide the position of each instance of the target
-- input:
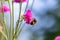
(21, 29)
(11, 21)
(9, 36)
(26, 6)
(32, 4)
(4, 23)
(17, 23)
(4, 35)
(20, 11)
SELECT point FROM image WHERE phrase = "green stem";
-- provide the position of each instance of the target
(21, 29)
(26, 6)
(20, 23)
(4, 35)
(17, 23)
(12, 18)
(20, 11)
(11, 21)
(32, 4)
(9, 36)
(4, 23)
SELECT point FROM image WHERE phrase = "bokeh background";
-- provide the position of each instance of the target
(47, 13)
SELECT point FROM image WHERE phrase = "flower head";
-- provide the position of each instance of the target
(4, 8)
(27, 16)
(19, 1)
(57, 38)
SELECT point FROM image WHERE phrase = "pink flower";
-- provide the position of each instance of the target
(19, 1)
(57, 38)
(4, 8)
(28, 16)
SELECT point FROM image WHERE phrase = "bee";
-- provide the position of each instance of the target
(33, 21)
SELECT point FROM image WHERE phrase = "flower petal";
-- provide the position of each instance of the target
(19, 1)
(57, 38)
